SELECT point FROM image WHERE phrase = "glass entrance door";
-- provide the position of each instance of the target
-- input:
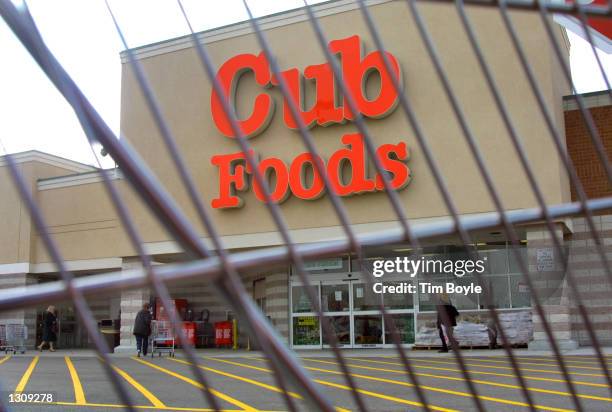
(336, 305)
(353, 310)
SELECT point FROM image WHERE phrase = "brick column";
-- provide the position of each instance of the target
(550, 280)
(277, 302)
(131, 303)
(21, 316)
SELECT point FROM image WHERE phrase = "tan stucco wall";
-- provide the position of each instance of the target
(83, 223)
(85, 226)
(17, 233)
(184, 94)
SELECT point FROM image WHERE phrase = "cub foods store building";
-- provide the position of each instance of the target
(91, 238)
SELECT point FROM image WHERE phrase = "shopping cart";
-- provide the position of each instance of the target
(13, 338)
(162, 338)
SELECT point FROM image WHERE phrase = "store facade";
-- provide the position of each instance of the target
(87, 230)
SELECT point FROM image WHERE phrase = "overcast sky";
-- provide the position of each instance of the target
(81, 34)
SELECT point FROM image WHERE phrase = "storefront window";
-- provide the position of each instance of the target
(364, 298)
(427, 301)
(495, 257)
(300, 301)
(521, 296)
(460, 300)
(306, 330)
(368, 329)
(341, 325)
(512, 259)
(335, 298)
(398, 300)
(404, 324)
(499, 292)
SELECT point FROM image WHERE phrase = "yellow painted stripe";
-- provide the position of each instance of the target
(547, 371)
(295, 395)
(451, 378)
(240, 378)
(26, 376)
(447, 391)
(555, 362)
(166, 408)
(4, 359)
(378, 395)
(79, 395)
(218, 394)
(338, 386)
(144, 391)
(475, 372)
(537, 364)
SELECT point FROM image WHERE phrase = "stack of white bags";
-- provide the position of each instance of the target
(471, 334)
(518, 327)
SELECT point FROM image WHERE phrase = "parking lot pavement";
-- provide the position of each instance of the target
(245, 381)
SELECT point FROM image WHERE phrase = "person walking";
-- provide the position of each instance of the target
(447, 320)
(142, 329)
(49, 329)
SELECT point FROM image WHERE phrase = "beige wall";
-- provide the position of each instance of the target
(85, 226)
(83, 222)
(184, 95)
(17, 233)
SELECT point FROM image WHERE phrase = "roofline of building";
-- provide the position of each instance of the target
(243, 28)
(50, 159)
(77, 179)
(592, 99)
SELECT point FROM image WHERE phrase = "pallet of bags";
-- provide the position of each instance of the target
(427, 336)
(471, 334)
(518, 326)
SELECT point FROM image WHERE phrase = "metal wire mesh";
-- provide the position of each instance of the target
(221, 268)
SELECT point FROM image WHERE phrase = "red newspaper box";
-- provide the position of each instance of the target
(223, 333)
(189, 331)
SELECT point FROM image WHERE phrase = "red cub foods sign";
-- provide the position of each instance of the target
(290, 178)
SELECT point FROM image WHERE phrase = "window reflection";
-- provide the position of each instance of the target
(368, 329)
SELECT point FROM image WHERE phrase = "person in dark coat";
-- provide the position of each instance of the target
(49, 329)
(447, 320)
(142, 329)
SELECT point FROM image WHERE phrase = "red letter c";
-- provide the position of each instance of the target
(228, 75)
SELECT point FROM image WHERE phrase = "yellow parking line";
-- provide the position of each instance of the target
(548, 371)
(79, 395)
(4, 359)
(218, 394)
(488, 383)
(474, 372)
(555, 362)
(439, 390)
(240, 378)
(294, 395)
(347, 388)
(26, 376)
(379, 395)
(144, 391)
(446, 391)
(537, 364)
(165, 408)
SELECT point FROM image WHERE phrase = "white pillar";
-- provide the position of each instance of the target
(131, 303)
